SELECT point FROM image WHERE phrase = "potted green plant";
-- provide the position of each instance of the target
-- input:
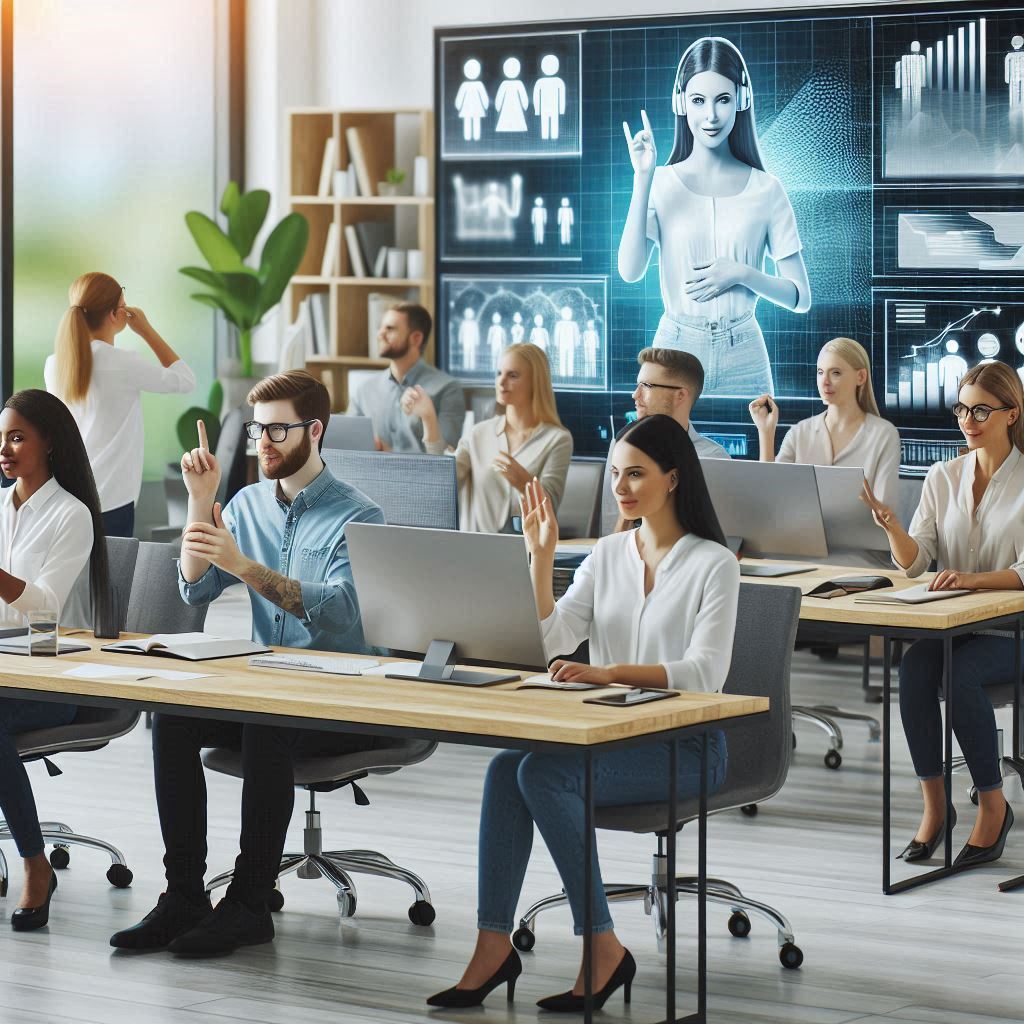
(244, 294)
(392, 180)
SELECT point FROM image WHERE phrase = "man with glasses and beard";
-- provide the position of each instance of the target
(293, 521)
(403, 334)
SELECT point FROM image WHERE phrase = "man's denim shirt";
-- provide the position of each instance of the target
(304, 541)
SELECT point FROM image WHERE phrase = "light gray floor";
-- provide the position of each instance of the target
(948, 954)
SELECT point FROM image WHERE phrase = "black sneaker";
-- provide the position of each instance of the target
(172, 916)
(229, 925)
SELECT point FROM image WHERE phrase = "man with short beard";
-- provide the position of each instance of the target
(404, 331)
(293, 521)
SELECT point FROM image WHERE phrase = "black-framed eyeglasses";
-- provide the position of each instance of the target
(980, 413)
(646, 385)
(276, 431)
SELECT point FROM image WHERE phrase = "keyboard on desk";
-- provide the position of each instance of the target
(314, 663)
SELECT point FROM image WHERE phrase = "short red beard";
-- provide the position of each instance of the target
(291, 463)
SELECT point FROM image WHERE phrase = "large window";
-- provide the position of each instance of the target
(115, 115)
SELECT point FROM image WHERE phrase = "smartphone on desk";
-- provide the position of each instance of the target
(629, 698)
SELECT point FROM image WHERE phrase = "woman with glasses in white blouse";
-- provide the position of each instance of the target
(502, 455)
(675, 568)
(971, 522)
(50, 527)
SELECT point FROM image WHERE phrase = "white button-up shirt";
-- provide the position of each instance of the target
(948, 528)
(110, 418)
(46, 543)
(685, 623)
(875, 448)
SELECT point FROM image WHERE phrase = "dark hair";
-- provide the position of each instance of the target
(664, 440)
(69, 464)
(683, 366)
(418, 319)
(723, 58)
(311, 399)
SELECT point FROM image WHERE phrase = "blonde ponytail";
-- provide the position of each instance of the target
(92, 298)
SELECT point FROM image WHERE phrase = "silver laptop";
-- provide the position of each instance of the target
(848, 522)
(352, 432)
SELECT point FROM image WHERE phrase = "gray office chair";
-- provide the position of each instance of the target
(323, 775)
(411, 489)
(759, 753)
(579, 513)
(91, 729)
(1002, 697)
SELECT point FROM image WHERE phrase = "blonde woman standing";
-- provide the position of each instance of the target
(849, 432)
(503, 454)
(102, 386)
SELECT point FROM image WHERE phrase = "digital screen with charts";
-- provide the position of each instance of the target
(884, 202)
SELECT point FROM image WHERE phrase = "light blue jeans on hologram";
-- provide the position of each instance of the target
(524, 789)
(732, 352)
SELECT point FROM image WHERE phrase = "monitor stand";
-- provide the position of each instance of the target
(437, 668)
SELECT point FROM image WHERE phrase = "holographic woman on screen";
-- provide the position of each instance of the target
(714, 212)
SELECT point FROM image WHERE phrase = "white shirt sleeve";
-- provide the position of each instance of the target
(67, 555)
(924, 527)
(705, 665)
(569, 624)
(783, 237)
(147, 375)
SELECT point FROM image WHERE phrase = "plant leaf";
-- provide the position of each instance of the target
(246, 218)
(281, 256)
(208, 277)
(213, 243)
(229, 199)
(215, 400)
(238, 294)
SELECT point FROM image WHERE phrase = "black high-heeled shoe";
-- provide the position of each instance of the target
(569, 1002)
(923, 851)
(506, 974)
(971, 856)
(27, 919)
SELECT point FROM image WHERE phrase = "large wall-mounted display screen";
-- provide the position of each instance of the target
(883, 202)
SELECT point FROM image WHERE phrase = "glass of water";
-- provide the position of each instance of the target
(42, 633)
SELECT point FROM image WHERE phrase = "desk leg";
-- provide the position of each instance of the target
(588, 884)
(947, 764)
(1016, 883)
(886, 764)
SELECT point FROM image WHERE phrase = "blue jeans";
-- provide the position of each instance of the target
(16, 801)
(547, 789)
(732, 352)
(977, 659)
(120, 522)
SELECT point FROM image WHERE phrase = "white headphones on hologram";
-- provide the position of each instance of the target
(744, 94)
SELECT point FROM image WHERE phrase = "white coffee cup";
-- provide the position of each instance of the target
(396, 263)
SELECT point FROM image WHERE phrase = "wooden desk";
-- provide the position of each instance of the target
(491, 716)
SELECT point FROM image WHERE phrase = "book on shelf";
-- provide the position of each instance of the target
(354, 141)
(353, 181)
(297, 345)
(355, 254)
(375, 236)
(380, 264)
(327, 166)
(319, 314)
(329, 265)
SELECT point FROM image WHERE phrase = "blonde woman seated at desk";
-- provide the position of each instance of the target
(971, 521)
(503, 454)
(676, 567)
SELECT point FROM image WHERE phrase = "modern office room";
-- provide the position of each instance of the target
(511, 512)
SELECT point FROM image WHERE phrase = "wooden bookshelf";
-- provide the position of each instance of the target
(308, 132)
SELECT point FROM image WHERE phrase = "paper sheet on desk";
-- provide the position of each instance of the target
(94, 671)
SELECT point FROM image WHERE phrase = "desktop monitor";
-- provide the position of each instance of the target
(354, 433)
(453, 596)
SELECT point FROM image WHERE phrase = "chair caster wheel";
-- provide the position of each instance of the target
(750, 810)
(974, 796)
(346, 904)
(833, 759)
(275, 901)
(739, 924)
(791, 956)
(119, 876)
(422, 913)
(60, 857)
(524, 940)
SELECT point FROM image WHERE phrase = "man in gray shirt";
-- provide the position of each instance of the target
(403, 335)
(669, 382)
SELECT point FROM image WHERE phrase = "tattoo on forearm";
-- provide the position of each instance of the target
(284, 592)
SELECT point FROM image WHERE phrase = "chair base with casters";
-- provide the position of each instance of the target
(324, 774)
(654, 896)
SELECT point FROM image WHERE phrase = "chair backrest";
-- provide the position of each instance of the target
(411, 489)
(122, 555)
(579, 511)
(156, 605)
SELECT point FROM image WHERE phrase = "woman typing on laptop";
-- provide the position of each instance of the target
(971, 522)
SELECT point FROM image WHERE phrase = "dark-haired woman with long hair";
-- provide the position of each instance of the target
(658, 605)
(50, 526)
(714, 212)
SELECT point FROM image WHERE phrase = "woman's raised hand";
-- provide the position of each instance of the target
(642, 151)
(540, 528)
(764, 412)
(882, 514)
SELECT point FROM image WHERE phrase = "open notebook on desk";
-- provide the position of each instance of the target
(912, 595)
(189, 646)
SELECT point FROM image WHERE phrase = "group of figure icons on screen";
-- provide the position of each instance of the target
(572, 352)
(512, 101)
(488, 211)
